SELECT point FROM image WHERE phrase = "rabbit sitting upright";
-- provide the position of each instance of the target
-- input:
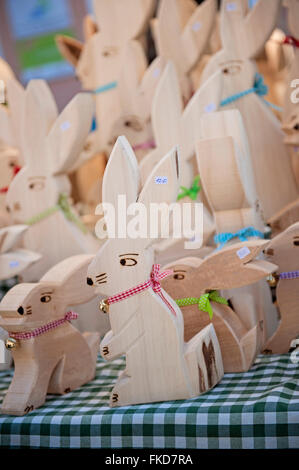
(225, 269)
(50, 355)
(147, 327)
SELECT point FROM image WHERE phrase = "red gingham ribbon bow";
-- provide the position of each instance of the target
(153, 283)
(291, 40)
(16, 170)
(45, 328)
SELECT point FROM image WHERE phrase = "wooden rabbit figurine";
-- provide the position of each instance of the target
(227, 177)
(98, 62)
(12, 262)
(290, 116)
(243, 36)
(137, 84)
(50, 355)
(193, 277)
(174, 126)
(148, 326)
(283, 251)
(38, 194)
(181, 31)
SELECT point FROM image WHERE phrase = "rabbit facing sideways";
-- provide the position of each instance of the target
(50, 145)
(225, 269)
(50, 355)
(228, 180)
(12, 262)
(99, 60)
(243, 35)
(181, 31)
(283, 251)
(147, 327)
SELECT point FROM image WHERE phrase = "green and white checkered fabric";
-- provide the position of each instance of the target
(258, 409)
(6, 285)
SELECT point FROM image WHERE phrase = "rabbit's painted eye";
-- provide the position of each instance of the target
(134, 123)
(179, 275)
(296, 127)
(36, 185)
(109, 51)
(231, 69)
(128, 262)
(46, 298)
(296, 241)
(12, 164)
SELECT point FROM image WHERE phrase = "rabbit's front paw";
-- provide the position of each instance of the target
(28, 409)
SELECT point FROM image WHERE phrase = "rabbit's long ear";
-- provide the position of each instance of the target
(9, 236)
(70, 48)
(121, 175)
(17, 261)
(133, 68)
(70, 278)
(69, 132)
(162, 185)
(233, 267)
(205, 101)
(16, 102)
(89, 27)
(149, 85)
(244, 32)
(167, 108)
(38, 115)
(123, 20)
(197, 32)
(6, 129)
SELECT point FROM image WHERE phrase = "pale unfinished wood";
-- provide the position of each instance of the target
(290, 115)
(283, 251)
(60, 360)
(99, 60)
(243, 35)
(159, 365)
(284, 218)
(193, 277)
(174, 125)
(51, 144)
(227, 177)
(13, 261)
(181, 31)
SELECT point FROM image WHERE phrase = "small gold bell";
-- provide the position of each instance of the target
(104, 306)
(272, 280)
(11, 343)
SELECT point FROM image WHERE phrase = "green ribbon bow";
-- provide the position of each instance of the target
(203, 301)
(192, 192)
(63, 205)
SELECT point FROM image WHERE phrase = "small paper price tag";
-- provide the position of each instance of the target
(231, 6)
(209, 108)
(196, 26)
(244, 251)
(65, 126)
(161, 180)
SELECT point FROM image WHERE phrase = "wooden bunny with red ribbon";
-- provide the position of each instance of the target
(50, 355)
(146, 324)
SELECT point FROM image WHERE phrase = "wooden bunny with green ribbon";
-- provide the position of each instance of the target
(194, 285)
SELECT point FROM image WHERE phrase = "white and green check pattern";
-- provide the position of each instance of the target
(258, 409)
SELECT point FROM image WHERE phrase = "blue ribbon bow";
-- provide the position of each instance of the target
(243, 235)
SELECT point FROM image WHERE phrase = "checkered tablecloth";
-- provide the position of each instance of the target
(257, 409)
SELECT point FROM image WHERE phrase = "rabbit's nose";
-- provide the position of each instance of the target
(20, 310)
(89, 281)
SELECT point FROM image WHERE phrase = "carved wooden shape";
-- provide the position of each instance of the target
(61, 359)
(283, 251)
(193, 277)
(244, 34)
(160, 366)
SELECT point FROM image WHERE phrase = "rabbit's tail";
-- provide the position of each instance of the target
(93, 341)
(204, 360)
